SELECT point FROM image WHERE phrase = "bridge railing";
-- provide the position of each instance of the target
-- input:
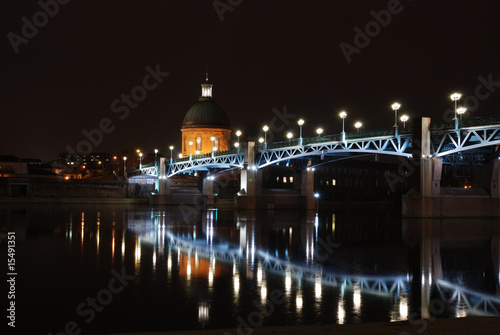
(471, 122)
(207, 155)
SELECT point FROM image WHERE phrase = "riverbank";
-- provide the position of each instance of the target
(64, 200)
(462, 326)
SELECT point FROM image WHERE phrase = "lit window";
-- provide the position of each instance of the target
(334, 182)
(291, 179)
(278, 179)
(198, 143)
(284, 180)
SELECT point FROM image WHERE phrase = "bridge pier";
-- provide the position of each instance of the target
(495, 180)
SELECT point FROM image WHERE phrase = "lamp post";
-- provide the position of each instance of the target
(213, 146)
(403, 119)
(238, 133)
(358, 125)
(343, 115)
(171, 153)
(265, 128)
(301, 123)
(289, 135)
(395, 106)
(461, 111)
(455, 97)
(140, 160)
(125, 166)
(319, 131)
(156, 155)
(190, 147)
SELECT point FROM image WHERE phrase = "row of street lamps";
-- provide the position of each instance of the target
(459, 111)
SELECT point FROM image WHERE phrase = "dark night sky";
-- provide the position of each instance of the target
(263, 55)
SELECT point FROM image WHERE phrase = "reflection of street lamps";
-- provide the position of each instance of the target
(171, 148)
(140, 160)
(343, 115)
(358, 125)
(319, 131)
(301, 123)
(403, 119)
(125, 166)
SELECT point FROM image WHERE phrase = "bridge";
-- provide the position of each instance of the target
(446, 141)
(429, 147)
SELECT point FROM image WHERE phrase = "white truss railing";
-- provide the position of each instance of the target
(150, 171)
(443, 143)
(389, 145)
(222, 161)
(451, 141)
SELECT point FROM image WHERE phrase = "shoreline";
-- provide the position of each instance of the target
(460, 326)
(65, 200)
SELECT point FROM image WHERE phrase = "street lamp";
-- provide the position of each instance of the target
(171, 148)
(190, 147)
(261, 140)
(156, 154)
(319, 131)
(125, 166)
(358, 125)
(289, 135)
(265, 128)
(403, 119)
(301, 123)
(395, 106)
(455, 97)
(140, 160)
(460, 111)
(238, 133)
(343, 115)
(213, 146)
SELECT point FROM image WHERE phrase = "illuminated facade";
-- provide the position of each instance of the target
(206, 126)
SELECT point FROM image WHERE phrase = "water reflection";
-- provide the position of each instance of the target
(213, 266)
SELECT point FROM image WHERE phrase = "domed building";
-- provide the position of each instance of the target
(205, 126)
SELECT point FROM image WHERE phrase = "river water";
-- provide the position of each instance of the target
(103, 269)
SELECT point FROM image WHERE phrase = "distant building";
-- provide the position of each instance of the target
(11, 166)
(206, 125)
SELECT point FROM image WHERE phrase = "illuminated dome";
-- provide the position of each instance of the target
(206, 126)
(206, 113)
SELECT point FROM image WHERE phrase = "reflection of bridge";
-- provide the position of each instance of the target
(465, 300)
(468, 300)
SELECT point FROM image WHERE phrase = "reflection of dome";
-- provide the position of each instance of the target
(206, 113)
